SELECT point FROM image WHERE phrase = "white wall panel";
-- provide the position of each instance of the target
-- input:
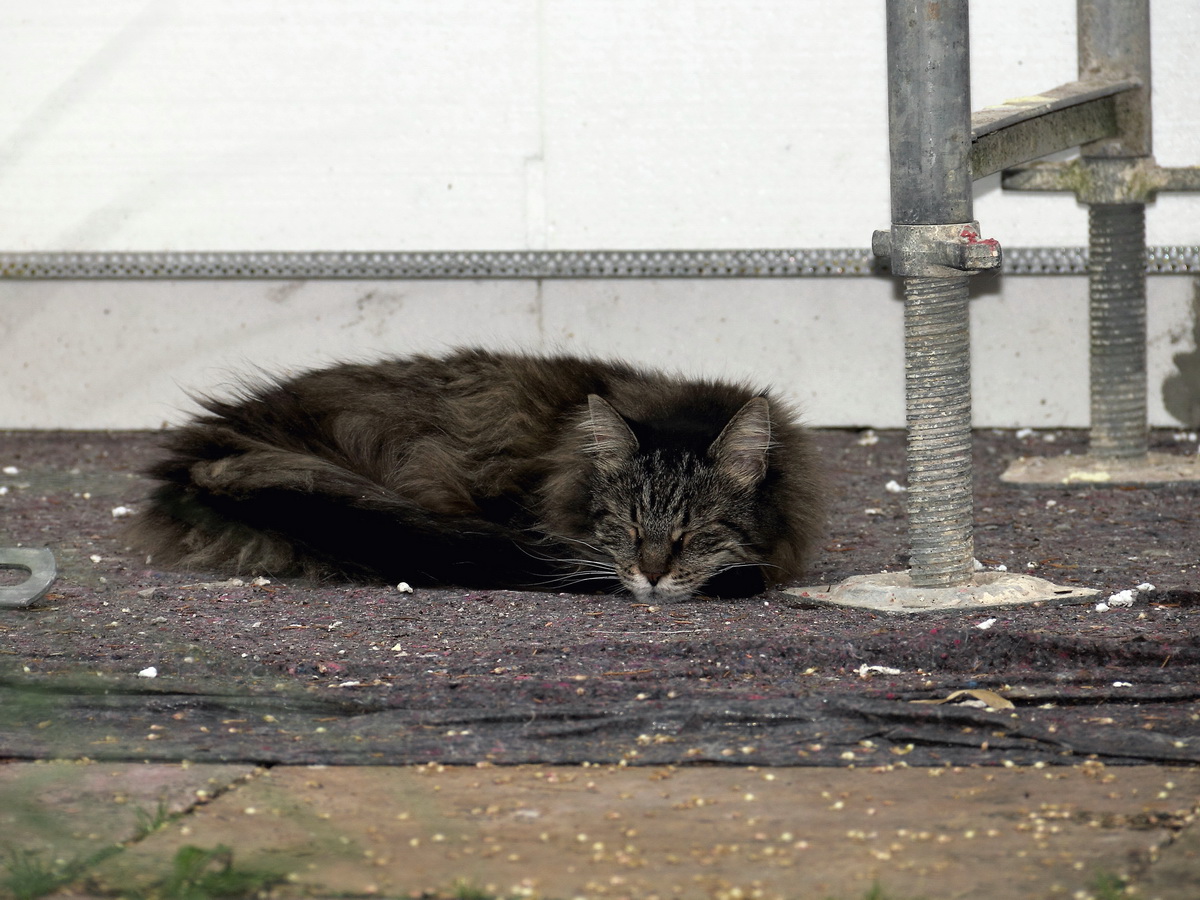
(805, 338)
(156, 125)
(264, 124)
(124, 355)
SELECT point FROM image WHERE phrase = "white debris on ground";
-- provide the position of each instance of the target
(985, 624)
(148, 672)
(120, 512)
(1188, 437)
(404, 587)
(1049, 437)
(1124, 599)
(11, 470)
(865, 671)
(894, 487)
(867, 438)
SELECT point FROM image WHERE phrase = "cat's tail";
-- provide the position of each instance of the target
(275, 512)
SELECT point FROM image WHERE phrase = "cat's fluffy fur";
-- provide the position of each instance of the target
(492, 470)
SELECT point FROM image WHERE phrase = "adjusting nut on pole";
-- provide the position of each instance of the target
(936, 251)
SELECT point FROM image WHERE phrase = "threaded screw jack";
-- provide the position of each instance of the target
(937, 380)
(1117, 286)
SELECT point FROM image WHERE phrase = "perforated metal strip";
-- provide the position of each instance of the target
(532, 264)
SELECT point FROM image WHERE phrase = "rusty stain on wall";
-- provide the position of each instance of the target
(1181, 390)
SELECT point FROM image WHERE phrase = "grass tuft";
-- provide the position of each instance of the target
(1107, 886)
(28, 876)
(200, 874)
(148, 823)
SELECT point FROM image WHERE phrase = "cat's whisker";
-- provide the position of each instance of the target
(586, 561)
(583, 543)
(547, 557)
(581, 573)
(574, 540)
(744, 565)
(554, 560)
(601, 575)
(595, 587)
(583, 565)
(584, 574)
(540, 557)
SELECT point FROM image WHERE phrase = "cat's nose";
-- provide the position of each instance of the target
(652, 575)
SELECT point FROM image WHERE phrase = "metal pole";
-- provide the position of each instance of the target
(929, 111)
(1114, 41)
(1115, 176)
(930, 130)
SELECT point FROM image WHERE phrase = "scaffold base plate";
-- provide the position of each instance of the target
(1153, 468)
(893, 592)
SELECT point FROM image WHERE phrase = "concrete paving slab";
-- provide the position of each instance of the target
(73, 808)
(609, 831)
(1175, 875)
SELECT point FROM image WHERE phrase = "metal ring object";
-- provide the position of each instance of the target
(39, 563)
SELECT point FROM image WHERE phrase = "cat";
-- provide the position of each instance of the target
(489, 469)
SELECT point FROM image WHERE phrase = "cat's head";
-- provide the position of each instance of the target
(674, 516)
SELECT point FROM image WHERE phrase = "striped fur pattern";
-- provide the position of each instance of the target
(491, 470)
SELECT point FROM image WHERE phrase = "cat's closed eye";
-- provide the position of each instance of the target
(680, 540)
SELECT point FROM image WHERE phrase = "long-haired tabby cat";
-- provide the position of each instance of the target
(491, 470)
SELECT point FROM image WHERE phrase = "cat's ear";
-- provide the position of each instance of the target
(741, 448)
(611, 440)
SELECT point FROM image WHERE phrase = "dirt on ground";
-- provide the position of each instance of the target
(120, 660)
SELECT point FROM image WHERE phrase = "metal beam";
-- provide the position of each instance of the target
(1028, 128)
